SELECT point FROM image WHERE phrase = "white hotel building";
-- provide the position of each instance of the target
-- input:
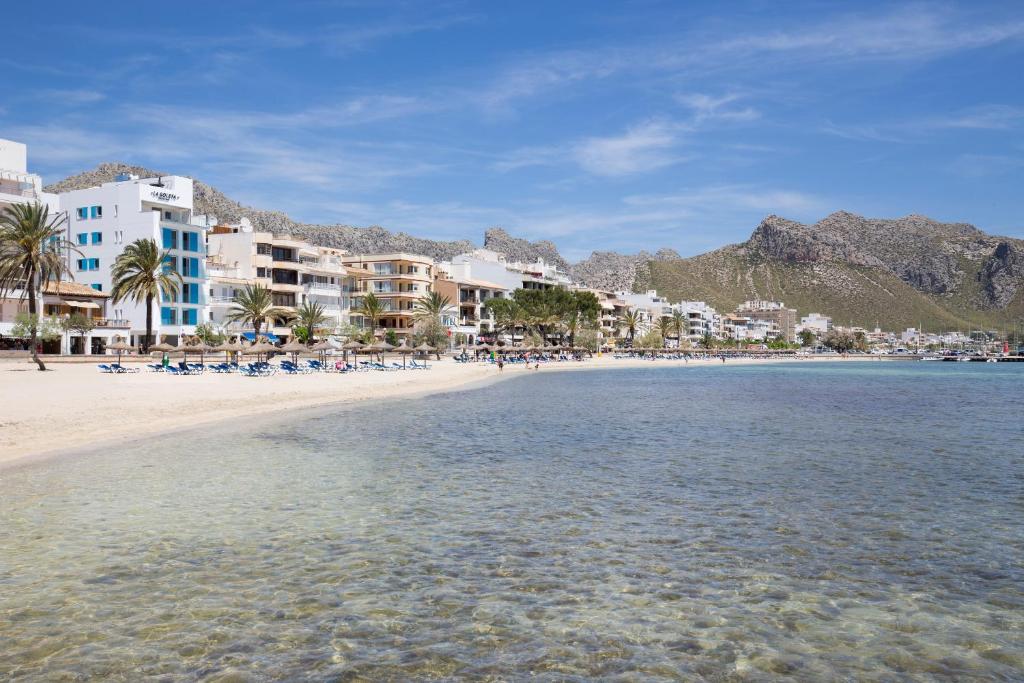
(103, 220)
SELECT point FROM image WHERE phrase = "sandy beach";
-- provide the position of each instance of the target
(72, 406)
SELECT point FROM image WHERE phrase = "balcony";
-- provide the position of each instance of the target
(112, 323)
(321, 288)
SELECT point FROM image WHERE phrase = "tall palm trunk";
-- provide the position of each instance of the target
(149, 323)
(34, 329)
(256, 325)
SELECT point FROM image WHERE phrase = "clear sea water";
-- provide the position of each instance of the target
(858, 521)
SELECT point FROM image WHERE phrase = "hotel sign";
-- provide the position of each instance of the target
(163, 196)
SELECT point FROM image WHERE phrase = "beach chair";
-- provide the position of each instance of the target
(122, 369)
(105, 368)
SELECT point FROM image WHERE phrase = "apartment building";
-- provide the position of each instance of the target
(746, 328)
(817, 323)
(701, 320)
(612, 309)
(492, 267)
(17, 185)
(469, 316)
(398, 280)
(103, 220)
(651, 305)
(773, 312)
(295, 272)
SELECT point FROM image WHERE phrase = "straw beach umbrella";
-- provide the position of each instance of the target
(322, 348)
(119, 346)
(294, 347)
(353, 346)
(162, 347)
(262, 346)
(199, 347)
(424, 348)
(380, 347)
(405, 350)
(230, 347)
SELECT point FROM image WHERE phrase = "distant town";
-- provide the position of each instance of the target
(216, 261)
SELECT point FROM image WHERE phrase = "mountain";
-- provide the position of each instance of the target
(892, 272)
(895, 273)
(374, 239)
(615, 272)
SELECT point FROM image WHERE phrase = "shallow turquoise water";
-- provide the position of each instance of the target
(852, 521)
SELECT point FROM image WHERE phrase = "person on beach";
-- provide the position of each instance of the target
(501, 365)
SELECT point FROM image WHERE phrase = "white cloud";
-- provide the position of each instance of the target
(643, 148)
(708, 107)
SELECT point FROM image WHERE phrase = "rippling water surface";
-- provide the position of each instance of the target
(813, 522)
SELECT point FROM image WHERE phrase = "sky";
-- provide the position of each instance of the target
(598, 125)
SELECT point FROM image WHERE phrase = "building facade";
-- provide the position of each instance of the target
(772, 312)
(398, 280)
(295, 272)
(103, 220)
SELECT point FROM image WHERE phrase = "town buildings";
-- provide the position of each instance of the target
(771, 312)
(295, 272)
(816, 323)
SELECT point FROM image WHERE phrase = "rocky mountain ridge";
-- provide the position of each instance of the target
(859, 268)
(360, 240)
(897, 272)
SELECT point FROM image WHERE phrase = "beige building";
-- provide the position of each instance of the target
(398, 280)
(613, 308)
(59, 301)
(469, 315)
(295, 271)
(772, 312)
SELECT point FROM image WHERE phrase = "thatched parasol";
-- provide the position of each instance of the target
(119, 346)
(262, 346)
(294, 347)
(405, 350)
(425, 349)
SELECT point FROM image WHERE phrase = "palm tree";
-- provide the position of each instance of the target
(310, 316)
(140, 273)
(664, 327)
(372, 308)
(678, 323)
(707, 341)
(255, 305)
(632, 319)
(431, 306)
(30, 256)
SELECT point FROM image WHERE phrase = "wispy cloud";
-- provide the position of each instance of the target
(643, 148)
(716, 108)
(986, 117)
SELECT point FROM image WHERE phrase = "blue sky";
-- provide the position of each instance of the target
(613, 125)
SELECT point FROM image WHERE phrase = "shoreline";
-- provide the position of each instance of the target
(76, 409)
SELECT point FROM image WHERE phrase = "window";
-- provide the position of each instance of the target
(82, 263)
(82, 212)
(83, 238)
(97, 238)
(97, 287)
(188, 316)
(118, 236)
(170, 238)
(95, 212)
(170, 264)
(190, 293)
(88, 264)
(261, 272)
(190, 241)
(94, 264)
(190, 267)
(168, 316)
